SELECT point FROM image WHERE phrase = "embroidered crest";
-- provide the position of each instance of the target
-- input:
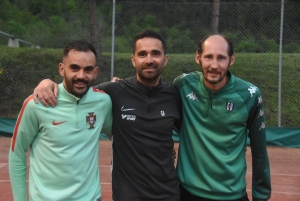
(162, 113)
(91, 119)
(229, 106)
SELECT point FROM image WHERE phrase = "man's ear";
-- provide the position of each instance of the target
(96, 71)
(61, 69)
(232, 59)
(133, 60)
(166, 59)
(197, 57)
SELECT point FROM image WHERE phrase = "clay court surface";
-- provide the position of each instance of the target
(285, 172)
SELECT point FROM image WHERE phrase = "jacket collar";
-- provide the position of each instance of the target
(146, 90)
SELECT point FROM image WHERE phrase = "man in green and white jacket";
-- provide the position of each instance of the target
(219, 112)
(63, 140)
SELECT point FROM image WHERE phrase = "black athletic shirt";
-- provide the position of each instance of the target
(143, 118)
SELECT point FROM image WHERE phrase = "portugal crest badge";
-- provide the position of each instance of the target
(91, 119)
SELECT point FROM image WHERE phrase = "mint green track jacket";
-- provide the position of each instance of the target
(63, 144)
(213, 136)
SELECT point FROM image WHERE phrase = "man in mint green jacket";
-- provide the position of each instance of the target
(219, 112)
(63, 141)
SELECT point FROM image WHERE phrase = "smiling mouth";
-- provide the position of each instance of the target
(214, 73)
(80, 84)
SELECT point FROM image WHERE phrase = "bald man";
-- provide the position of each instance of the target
(219, 112)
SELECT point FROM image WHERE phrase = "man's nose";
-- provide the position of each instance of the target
(80, 74)
(149, 58)
(214, 63)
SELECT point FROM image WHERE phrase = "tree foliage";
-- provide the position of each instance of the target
(254, 25)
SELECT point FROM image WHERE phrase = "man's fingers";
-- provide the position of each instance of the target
(35, 96)
(55, 92)
(115, 79)
(174, 154)
(42, 99)
(48, 98)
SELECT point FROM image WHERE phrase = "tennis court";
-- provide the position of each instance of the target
(284, 162)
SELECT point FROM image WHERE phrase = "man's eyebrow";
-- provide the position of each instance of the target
(74, 65)
(77, 66)
(142, 51)
(156, 51)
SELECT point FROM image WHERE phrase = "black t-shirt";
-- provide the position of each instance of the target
(143, 118)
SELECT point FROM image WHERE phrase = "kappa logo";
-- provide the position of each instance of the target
(263, 126)
(55, 123)
(192, 96)
(252, 90)
(259, 100)
(126, 109)
(128, 117)
(261, 113)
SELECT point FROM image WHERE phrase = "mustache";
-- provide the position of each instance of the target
(213, 71)
(80, 80)
(150, 66)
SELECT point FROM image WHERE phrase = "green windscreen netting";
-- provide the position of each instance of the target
(282, 137)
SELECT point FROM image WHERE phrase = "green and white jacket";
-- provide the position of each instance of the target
(213, 137)
(63, 144)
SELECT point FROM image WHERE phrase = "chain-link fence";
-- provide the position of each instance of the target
(254, 28)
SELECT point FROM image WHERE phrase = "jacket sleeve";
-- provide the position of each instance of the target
(107, 124)
(261, 184)
(25, 131)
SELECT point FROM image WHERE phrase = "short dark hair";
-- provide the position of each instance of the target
(229, 42)
(79, 45)
(150, 34)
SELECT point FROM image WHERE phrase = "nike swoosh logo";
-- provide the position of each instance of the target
(54, 123)
(127, 109)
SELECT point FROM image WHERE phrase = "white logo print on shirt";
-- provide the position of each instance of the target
(252, 90)
(126, 109)
(128, 117)
(192, 96)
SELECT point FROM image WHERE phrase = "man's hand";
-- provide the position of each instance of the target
(46, 92)
(115, 79)
(174, 155)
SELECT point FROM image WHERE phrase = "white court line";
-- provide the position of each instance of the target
(3, 165)
(104, 166)
(4, 181)
(280, 192)
(291, 175)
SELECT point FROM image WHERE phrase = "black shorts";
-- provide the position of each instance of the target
(186, 196)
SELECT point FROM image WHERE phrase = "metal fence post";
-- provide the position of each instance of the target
(280, 64)
(113, 40)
